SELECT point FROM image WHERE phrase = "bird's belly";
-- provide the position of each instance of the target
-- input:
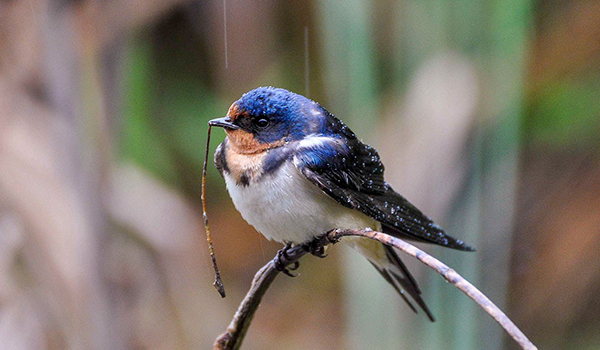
(286, 207)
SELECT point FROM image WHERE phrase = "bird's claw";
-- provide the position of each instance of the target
(295, 266)
(282, 259)
(316, 249)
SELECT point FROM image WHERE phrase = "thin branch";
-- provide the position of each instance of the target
(233, 337)
(449, 275)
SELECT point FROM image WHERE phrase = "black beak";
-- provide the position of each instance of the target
(224, 122)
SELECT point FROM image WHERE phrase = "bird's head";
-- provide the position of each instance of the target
(268, 117)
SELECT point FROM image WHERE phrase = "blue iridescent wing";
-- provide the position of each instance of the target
(352, 174)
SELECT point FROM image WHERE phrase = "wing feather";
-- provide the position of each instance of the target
(351, 173)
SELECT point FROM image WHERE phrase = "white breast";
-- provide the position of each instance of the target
(286, 207)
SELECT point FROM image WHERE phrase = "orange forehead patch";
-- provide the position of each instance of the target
(235, 112)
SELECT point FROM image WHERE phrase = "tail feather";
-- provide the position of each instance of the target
(391, 280)
(393, 270)
(406, 281)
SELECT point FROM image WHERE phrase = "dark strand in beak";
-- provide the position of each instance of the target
(224, 122)
(218, 283)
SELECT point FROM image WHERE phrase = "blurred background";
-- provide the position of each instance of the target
(486, 114)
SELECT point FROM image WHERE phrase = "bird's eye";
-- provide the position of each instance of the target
(261, 122)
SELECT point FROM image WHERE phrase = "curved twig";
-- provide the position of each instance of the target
(449, 275)
(233, 337)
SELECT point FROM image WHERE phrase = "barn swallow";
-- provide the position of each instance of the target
(294, 171)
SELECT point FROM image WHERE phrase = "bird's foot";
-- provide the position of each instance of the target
(316, 248)
(282, 259)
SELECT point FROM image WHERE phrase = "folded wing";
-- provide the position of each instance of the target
(352, 174)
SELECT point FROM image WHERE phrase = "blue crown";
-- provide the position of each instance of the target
(270, 101)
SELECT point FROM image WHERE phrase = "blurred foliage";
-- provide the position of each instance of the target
(565, 113)
(486, 113)
(168, 105)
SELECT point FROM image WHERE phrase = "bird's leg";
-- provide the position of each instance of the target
(281, 260)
